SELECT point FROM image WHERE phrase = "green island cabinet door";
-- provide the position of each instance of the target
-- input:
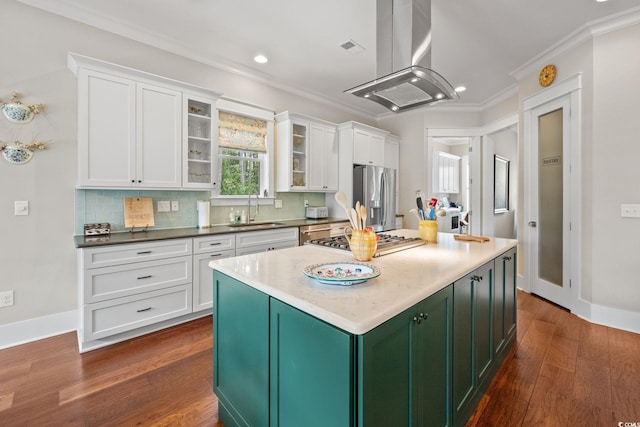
(240, 352)
(472, 343)
(504, 300)
(404, 367)
(312, 371)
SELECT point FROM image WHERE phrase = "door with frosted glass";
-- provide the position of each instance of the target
(549, 223)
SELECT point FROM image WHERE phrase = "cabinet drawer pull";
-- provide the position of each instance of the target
(143, 309)
(476, 278)
(506, 258)
(424, 316)
(213, 255)
(144, 252)
(417, 319)
(144, 277)
(215, 244)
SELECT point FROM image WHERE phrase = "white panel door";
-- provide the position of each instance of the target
(106, 136)
(159, 134)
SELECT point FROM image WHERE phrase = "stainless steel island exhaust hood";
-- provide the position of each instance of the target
(403, 58)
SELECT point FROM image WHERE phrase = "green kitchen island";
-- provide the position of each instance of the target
(416, 346)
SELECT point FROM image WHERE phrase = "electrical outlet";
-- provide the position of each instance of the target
(164, 206)
(175, 205)
(6, 298)
(277, 204)
(630, 211)
(306, 203)
(21, 207)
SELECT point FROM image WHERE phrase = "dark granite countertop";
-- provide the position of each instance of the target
(82, 241)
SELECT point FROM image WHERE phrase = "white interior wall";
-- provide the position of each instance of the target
(615, 173)
(37, 257)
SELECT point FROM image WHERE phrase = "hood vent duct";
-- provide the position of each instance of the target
(403, 59)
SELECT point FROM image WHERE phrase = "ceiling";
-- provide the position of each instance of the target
(475, 43)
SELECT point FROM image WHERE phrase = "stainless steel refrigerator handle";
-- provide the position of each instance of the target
(382, 197)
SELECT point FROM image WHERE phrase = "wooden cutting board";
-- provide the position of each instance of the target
(470, 238)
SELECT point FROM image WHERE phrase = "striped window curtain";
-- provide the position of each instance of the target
(239, 132)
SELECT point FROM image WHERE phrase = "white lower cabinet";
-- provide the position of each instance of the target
(266, 240)
(128, 290)
(108, 318)
(206, 249)
(123, 288)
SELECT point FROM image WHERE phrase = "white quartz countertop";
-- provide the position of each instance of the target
(407, 277)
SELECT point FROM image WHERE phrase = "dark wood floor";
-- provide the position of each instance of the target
(563, 371)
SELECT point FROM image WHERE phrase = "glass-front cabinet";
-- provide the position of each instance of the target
(299, 154)
(199, 136)
(292, 136)
(307, 153)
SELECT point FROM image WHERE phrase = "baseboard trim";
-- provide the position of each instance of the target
(615, 318)
(39, 328)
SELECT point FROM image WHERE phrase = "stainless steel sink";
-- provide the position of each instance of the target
(254, 225)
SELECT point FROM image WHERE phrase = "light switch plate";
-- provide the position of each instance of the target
(629, 211)
(21, 207)
(164, 206)
(278, 204)
(175, 205)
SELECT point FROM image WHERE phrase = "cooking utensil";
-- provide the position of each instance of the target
(355, 220)
(363, 216)
(358, 215)
(341, 198)
(470, 238)
(420, 207)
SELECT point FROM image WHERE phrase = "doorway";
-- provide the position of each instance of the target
(552, 202)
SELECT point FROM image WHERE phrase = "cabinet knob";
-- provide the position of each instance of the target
(417, 319)
(133, 181)
(139, 181)
(506, 258)
(424, 316)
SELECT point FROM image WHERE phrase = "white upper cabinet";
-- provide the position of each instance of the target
(307, 154)
(392, 152)
(368, 148)
(446, 173)
(199, 140)
(158, 137)
(130, 127)
(323, 158)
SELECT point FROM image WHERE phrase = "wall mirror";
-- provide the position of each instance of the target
(500, 184)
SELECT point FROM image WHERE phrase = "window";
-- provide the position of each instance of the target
(244, 151)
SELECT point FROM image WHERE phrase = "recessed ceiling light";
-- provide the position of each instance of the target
(460, 89)
(260, 59)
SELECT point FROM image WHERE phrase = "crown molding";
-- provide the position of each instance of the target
(586, 32)
(160, 41)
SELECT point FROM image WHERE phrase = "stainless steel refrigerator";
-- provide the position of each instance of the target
(375, 187)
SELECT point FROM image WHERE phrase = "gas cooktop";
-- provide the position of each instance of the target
(387, 243)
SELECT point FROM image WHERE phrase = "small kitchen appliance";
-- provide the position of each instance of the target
(316, 212)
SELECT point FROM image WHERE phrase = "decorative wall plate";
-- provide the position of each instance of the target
(17, 155)
(15, 111)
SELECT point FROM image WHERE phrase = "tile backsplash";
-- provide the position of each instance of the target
(100, 206)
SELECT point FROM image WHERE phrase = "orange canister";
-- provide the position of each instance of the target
(363, 243)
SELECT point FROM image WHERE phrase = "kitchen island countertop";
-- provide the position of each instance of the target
(407, 277)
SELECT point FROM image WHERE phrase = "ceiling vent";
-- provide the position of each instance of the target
(352, 47)
(403, 59)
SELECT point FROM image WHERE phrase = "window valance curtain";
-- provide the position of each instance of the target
(239, 132)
